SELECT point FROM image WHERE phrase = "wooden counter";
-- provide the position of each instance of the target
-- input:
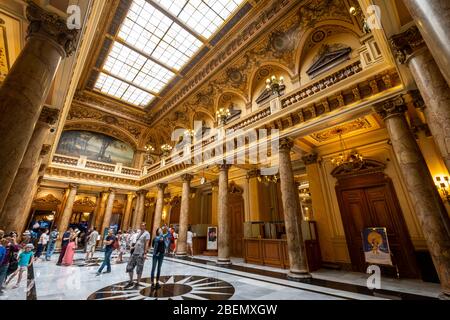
(199, 245)
(274, 253)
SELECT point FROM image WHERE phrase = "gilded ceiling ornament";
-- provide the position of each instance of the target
(346, 128)
(48, 199)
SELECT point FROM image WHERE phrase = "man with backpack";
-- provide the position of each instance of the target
(138, 253)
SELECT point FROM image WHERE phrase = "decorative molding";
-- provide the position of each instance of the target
(50, 27)
(286, 144)
(358, 124)
(367, 166)
(48, 199)
(162, 186)
(406, 44)
(187, 177)
(85, 202)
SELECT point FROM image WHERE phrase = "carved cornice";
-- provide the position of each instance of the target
(52, 28)
(310, 158)
(405, 44)
(49, 115)
(187, 177)
(367, 166)
(395, 107)
(85, 202)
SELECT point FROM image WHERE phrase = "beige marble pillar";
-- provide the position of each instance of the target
(26, 87)
(410, 49)
(184, 215)
(432, 17)
(67, 213)
(159, 208)
(253, 196)
(28, 173)
(108, 210)
(140, 208)
(101, 210)
(428, 205)
(223, 245)
(289, 195)
(128, 210)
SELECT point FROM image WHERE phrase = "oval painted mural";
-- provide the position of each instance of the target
(95, 146)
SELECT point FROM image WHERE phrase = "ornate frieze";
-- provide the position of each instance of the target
(51, 27)
(346, 128)
(392, 108)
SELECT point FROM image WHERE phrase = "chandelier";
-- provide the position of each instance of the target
(351, 159)
(443, 186)
(222, 114)
(268, 179)
(166, 148)
(275, 85)
(149, 148)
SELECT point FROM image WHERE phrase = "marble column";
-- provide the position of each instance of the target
(67, 213)
(289, 196)
(109, 210)
(432, 17)
(428, 205)
(184, 214)
(159, 207)
(128, 210)
(101, 210)
(140, 209)
(28, 172)
(410, 49)
(26, 87)
(224, 250)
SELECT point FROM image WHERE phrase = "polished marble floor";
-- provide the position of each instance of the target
(200, 279)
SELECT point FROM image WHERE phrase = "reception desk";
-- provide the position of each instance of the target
(274, 253)
(199, 245)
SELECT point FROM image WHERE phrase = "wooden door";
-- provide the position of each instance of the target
(371, 201)
(236, 214)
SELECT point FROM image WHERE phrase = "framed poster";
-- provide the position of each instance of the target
(376, 246)
(211, 240)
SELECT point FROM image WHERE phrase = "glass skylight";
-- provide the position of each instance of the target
(121, 90)
(153, 44)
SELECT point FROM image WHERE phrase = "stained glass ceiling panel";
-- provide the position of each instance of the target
(156, 40)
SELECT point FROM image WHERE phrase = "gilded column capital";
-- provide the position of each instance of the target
(73, 186)
(51, 27)
(112, 190)
(140, 192)
(405, 44)
(310, 158)
(416, 99)
(223, 166)
(49, 115)
(254, 173)
(391, 108)
(187, 177)
(45, 150)
(161, 186)
(286, 144)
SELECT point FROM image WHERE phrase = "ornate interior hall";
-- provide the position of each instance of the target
(299, 148)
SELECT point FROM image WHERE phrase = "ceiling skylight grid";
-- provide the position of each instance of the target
(154, 36)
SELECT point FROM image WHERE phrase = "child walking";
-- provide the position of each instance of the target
(25, 260)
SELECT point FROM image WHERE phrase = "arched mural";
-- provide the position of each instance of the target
(95, 146)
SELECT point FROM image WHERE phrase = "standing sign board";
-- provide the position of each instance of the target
(376, 246)
(211, 241)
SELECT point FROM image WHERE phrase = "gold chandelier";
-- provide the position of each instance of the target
(222, 114)
(166, 148)
(346, 158)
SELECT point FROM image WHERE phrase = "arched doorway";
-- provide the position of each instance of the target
(367, 198)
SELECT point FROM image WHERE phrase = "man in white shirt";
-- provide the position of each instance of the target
(139, 251)
(43, 240)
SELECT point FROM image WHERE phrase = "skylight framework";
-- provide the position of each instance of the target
(155, 41)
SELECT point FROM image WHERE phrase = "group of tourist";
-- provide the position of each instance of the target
(16, 255)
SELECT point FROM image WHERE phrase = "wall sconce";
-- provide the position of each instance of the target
(275, 85)
(443, 186)
(357, 12)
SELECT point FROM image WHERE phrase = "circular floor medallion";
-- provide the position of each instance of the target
(172, 288)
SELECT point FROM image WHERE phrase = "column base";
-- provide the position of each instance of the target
(223, 262)
(299, 275)
(181, 254)
(444, 296)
